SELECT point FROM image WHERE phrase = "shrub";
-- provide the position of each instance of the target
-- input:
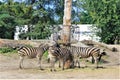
(45, 54)
(6, 50)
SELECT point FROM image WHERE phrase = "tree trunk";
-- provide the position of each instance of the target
(67, 22)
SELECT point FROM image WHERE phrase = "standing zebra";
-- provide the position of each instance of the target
(61, 54)
(32, 52)
(85, 52)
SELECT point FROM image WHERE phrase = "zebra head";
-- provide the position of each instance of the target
(45, 47)
(102, 53)
(18, 47)
(51, 49)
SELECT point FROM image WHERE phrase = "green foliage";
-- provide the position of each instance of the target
(45, 54)
(41, 30)
(38, 15)
(6, 50)
(7, 21)
(85, 18)
(7, 24)
(106, 15)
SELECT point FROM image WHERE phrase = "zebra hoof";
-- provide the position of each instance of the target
(51, 70)
(54, 70)
(75, 66)
(100, 67)
(20, 67)
(78, 66)
(59, 66)
(41, 69)
(97, 67)
(86, 66)
(82, 67)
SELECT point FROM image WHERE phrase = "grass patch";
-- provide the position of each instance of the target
(4, 50)
(9, 54)
(45, 54)
(9, 50)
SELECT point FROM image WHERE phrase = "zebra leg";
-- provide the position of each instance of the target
(63, 65)
(59, 63)
(52, 60)
(96, 62)
(54, 66)
(78, 63)
(85, 63)
(39, 63)
(21, 62)
(75, 64)
(48, 60)
(93, 60)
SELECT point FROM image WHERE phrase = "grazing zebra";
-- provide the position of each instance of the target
(32, 52)
(85, 52)
(61, 54)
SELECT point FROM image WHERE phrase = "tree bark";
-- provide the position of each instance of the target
(67, 22)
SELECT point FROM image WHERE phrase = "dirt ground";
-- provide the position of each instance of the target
(9, 69)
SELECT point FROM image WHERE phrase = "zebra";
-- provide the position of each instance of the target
(61, 54)
(32, 52)
(86, 52)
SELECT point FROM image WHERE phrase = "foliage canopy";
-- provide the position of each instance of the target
(105, 14)
(38, 15)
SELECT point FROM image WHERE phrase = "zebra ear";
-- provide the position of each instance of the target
(41, 45)
(19, 47)
(49, 44)
(45, 44)
(104, 50)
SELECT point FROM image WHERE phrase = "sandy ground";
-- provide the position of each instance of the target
(9, 69)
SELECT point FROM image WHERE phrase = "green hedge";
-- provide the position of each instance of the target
(6, 50)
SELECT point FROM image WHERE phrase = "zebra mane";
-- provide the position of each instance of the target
(41, 45)
(19, 47)
(45, 47)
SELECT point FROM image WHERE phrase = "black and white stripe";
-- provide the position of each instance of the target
(85, 52)
(61, 54)
(32, 52)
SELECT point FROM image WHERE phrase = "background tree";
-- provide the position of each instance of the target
(37, 13)
(33, 13)
(7, 20)
(45, 13)
(66, 22)
(106, 15)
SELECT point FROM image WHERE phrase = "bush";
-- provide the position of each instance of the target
(6, 50)
(45, 54)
